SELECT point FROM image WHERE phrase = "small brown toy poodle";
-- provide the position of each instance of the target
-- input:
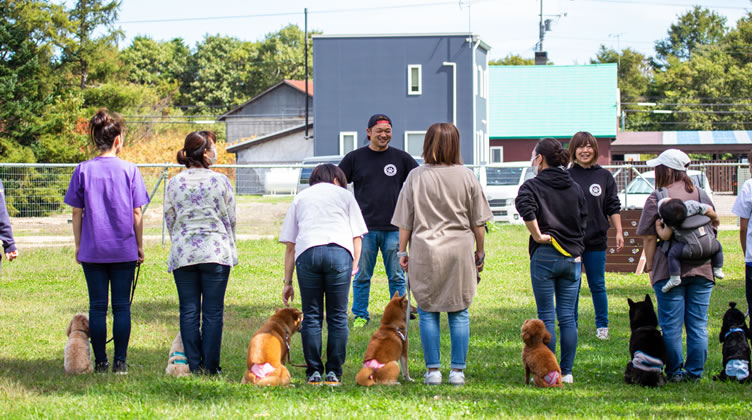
(537, 358)
(77, 352)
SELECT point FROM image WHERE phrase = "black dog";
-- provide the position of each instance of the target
(645, 346)
(734, 335)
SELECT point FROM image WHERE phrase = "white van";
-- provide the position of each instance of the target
(502, 182)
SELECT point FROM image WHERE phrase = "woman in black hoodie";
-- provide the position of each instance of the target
(603, 204)
(553, 208)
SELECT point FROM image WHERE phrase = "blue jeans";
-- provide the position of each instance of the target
(748, 285)
(99, 277)
(595, 269)
(430, 337)
(201, 291)
(388, 242)
(685, 305)
(556, 277)
(324, 275)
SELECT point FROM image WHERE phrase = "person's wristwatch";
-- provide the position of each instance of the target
(286, 283)
(401, 254)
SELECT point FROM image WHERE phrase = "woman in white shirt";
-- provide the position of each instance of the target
(200, 215)
(322, 232)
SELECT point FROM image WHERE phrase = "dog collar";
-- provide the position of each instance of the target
(401, 334)
(733, 330)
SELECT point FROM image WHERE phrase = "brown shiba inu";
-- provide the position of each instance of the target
(270, 347)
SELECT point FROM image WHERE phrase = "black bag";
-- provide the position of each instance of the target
(696, 232)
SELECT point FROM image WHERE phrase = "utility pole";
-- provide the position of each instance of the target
(541, 28)
(618, 46)
(305, 59)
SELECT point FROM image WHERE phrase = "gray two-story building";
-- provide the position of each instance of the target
(417, 80)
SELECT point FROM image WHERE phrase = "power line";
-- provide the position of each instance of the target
(654, 3)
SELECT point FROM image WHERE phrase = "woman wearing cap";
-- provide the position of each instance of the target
(441, 212)
(687, 304)
(200, 215)
(553, 208)
(599, 188)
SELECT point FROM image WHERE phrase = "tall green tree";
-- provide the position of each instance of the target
(89, 53)
(634, 72)
(693, 29)
(280, 56)
(513, 60)
(152, 62)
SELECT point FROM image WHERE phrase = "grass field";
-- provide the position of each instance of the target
(41, 291)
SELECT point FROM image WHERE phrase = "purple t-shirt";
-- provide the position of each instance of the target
(108, 189)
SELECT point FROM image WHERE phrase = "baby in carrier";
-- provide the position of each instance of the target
(687, 231)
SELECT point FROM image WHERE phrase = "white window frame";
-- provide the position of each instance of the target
(501, 153)
(407, 135)
(342, 135)
(410, 68)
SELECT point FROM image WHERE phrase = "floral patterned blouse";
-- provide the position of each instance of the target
(200, 215)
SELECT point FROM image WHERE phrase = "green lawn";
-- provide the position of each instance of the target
(41, 291)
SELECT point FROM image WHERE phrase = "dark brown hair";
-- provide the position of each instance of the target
(665, 176)
(552, 152)
(192, 153)
(580, 139)
(103, 129)
(328, 172)
(441, 145)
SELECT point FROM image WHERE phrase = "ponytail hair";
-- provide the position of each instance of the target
(103, 129)
(552, 152)
(192, 153)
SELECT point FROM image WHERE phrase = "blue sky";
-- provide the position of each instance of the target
(508, 26)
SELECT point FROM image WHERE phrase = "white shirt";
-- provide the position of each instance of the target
(320, 215)
(743, 208)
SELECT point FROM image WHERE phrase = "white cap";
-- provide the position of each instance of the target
(671, 158)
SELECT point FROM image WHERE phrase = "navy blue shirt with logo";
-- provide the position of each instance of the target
(377, 178)
(602, 201)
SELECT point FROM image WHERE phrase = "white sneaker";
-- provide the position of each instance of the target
(456, 377)
(432, 378)
(602, 333)
(567, 379)
(718, 272)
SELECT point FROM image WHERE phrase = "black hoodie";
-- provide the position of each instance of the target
(557, 202)
(599, 188)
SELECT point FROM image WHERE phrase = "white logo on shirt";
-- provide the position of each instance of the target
(595, 190)
(390, 170)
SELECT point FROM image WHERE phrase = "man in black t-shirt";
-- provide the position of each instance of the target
(377, 172)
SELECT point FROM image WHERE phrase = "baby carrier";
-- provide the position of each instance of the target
(696, 232)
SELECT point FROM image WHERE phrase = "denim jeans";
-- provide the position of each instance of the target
(748, 285)
(99, 277)
(324, 278)
(201, 291)
(685, 305)
(595, 269)
(556, 277)
(388, 242)
(430, 337)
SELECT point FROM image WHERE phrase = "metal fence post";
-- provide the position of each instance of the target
(165, 175)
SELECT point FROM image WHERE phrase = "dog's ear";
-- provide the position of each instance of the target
(396, 294)
(70, 327)
(546, 336)
(647, 299)
(630, 302)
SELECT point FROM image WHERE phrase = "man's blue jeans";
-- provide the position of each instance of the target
(430, 337)
(595, 269)
(685, 305)
(201, 292)
(324, 275)
(388, 243)
(556, 277)
(100, 278)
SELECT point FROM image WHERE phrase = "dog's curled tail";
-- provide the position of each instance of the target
(365, 376)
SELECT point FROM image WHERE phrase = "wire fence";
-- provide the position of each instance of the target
(37, 190)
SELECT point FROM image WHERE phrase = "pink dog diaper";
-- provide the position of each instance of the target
(262, 371)
(373, 364)
(551, 377)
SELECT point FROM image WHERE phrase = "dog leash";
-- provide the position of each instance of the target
(287, 343)
(133, 291)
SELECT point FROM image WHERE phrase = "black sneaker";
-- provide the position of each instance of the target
(102, 367)
(120, 367)
(314, 379)
(332, 379)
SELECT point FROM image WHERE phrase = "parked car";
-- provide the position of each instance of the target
(503, 180)
(638, 190)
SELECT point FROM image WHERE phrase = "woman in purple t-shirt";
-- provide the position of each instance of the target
(106, 194)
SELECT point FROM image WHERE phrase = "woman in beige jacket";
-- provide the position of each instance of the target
(441, 212)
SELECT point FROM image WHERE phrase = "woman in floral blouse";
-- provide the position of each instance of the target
(200, 215)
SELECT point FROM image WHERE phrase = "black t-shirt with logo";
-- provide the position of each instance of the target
(377, 178)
